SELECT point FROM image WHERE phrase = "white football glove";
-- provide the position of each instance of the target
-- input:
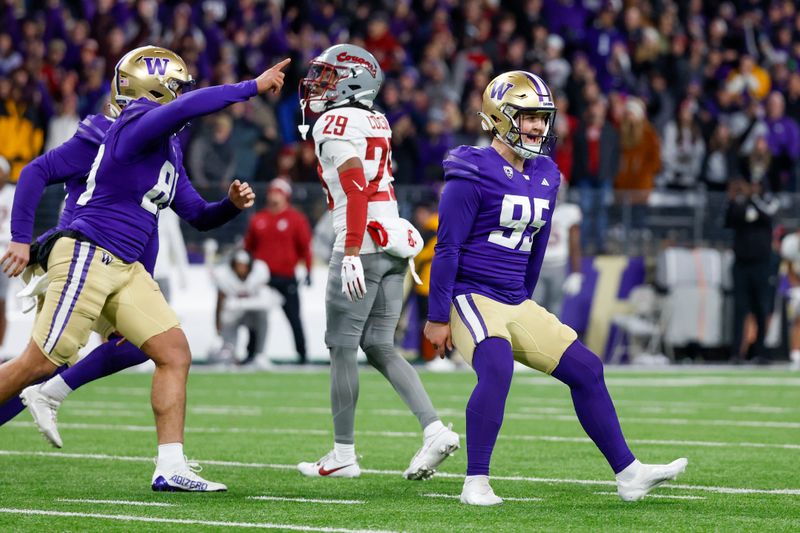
(572, 285)
(353, 284)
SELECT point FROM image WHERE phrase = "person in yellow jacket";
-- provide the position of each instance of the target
(20, 138)
(426, 220)
(640, 159)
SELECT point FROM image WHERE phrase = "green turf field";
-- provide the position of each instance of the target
(740, 431)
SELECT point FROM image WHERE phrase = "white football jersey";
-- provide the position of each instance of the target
(6, 202)
(565, 216)
(346, 132)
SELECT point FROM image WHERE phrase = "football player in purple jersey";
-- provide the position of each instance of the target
(70, 164)
(93, 267)
(494, 223)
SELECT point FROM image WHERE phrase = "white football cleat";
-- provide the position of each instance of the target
(434, 451)
(477, 491)
(184, 479)
(330, 466)
(649, 477)
(44, 410)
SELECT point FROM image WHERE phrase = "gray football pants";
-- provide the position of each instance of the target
(369, 323)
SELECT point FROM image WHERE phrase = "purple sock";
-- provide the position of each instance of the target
(106, 359)
(494, 364)
(14, 406)
(582, 371)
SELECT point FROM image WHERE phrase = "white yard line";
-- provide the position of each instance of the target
(569, 418)
(567, 481)
(404, 434)
(664, 496)
(306, 500)
(186, 521)
(456, 497)
(118, 502)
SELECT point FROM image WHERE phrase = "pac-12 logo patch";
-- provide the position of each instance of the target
(509, 172)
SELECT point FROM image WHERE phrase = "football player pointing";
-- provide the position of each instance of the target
(93, 266)
(365, 281)
(494, 223)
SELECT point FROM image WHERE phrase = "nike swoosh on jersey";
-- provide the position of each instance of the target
(323, 472)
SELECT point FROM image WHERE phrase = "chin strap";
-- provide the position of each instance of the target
(303, 128)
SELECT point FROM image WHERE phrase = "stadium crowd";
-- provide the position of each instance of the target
(686, 94)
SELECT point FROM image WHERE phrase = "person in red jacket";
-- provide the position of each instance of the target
(280, 236)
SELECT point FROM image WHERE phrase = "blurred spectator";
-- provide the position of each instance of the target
(793, 97)
(682, 149)
(280, 236)
(6, 202)
(595, 164)
(247, 141)
(243, 299)
(405, 155)
(64, 124)
(758, 166)
(640, 159)
(790, 253)
(323, 238)
(560, 274)
(721, 164)
(212, 156)
(21, 134)
(750, 215)
(10, 59)
(172, 261)
(749, 78)
(433, 146)
(565, 128)
(783, 138)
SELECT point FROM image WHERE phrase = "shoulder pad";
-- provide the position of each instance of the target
(463, 162)
(345, 123)
(544, 165)
(93, 128)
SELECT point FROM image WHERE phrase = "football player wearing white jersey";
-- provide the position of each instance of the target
(365, 281)
(563, 254)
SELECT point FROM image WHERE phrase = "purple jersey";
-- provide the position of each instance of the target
(139, 167)
(493, 227)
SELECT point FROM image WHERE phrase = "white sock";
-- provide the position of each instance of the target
(432, 429)
(170, 456)
(344, 452)
(630, 471)
(795, 356)
(56, 389)
(476, 479)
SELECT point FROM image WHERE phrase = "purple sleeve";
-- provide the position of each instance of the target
(202, 215)
(162, 121)
(458, 208)
(71, 159)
